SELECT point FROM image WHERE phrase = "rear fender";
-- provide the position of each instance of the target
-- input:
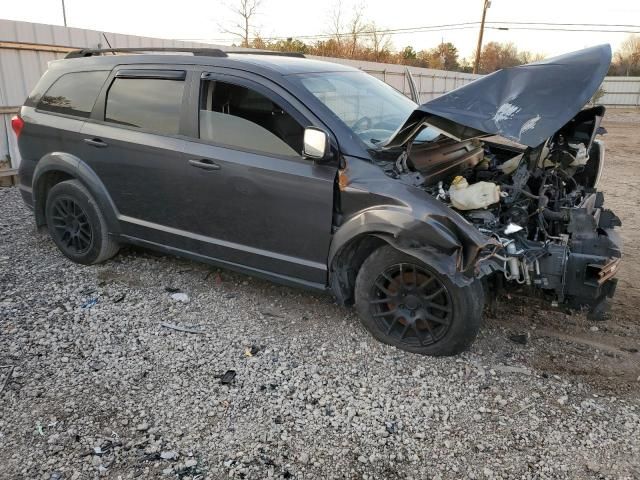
(71, 166)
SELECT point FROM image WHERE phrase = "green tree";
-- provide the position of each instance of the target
(442, 57)
(290, 45)
(408, 53)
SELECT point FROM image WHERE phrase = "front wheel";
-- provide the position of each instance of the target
(405, 303)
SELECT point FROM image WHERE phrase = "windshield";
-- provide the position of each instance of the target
(370, 107)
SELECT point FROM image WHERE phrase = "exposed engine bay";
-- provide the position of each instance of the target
(553, 237)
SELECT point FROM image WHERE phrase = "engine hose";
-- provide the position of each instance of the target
(519, 190)
(543, 201)
(543, 229)
(568, 177)
(551, 215)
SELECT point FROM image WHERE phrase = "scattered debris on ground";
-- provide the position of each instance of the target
(178, 328)
(228, 377)
(180, 297)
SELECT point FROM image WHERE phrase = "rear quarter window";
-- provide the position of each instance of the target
(73, 93)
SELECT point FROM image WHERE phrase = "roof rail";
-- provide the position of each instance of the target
(205, 52)
(90, 52)
(266, 52)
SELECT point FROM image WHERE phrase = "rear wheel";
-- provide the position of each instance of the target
(76, 224)
(405, 303)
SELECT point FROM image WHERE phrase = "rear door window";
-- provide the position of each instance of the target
(152, 104)
(73, 93)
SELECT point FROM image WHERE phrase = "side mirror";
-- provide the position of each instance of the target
(316, 144)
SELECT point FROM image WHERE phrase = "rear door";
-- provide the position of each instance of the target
(132, 142)
(261, 204)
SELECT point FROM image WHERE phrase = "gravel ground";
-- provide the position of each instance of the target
(98, 382)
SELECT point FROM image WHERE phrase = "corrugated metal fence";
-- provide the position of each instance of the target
(618, 91)
(26, 48)
(621, 92)
(431, 83)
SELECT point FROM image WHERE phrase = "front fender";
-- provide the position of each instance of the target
(432, 239)
(71, 166)
(373, 204)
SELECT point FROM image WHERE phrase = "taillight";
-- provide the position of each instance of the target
(17, 124)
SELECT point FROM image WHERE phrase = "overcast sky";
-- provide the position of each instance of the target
(202, 20)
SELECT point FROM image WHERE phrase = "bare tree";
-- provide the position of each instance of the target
(345, 38)
(357, 27)
(245, 11)
(628, 56)
(335, 23)
(379, 41)
(529, 57)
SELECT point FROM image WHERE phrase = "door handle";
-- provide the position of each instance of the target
(204, 164)
(96, 142)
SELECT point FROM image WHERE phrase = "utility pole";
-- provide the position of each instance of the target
(64, 14)
(487, 4)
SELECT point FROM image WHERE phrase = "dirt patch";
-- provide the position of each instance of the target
(602, 354)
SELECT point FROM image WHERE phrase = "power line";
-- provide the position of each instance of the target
(328, 35)
(364, 32)
(393, 31)
(464, 26)
(537, 26)
(542, 29)
(570, 24)
(435, 28)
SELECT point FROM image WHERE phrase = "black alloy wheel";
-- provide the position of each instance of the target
(76, 224)
(411, 305)
(405, 302)
(71, 225)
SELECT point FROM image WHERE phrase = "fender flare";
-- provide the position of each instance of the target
(432, 240)
(74, 167)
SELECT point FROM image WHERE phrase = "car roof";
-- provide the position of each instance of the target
(291, 65)
(281, 64)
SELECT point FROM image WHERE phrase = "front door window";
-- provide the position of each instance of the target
(241, 118)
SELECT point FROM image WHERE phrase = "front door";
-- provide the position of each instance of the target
(254, 197)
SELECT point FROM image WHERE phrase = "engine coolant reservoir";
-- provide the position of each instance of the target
(471, 197)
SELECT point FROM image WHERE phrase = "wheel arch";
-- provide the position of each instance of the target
(57, 167)
(429, 241)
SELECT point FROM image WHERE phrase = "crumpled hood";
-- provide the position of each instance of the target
(526, 104)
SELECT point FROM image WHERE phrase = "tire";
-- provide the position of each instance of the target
(407, 304)
(76, 224)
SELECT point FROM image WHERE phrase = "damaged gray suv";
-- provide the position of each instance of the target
(318, 175)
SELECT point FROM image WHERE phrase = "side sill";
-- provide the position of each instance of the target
(281, 279)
